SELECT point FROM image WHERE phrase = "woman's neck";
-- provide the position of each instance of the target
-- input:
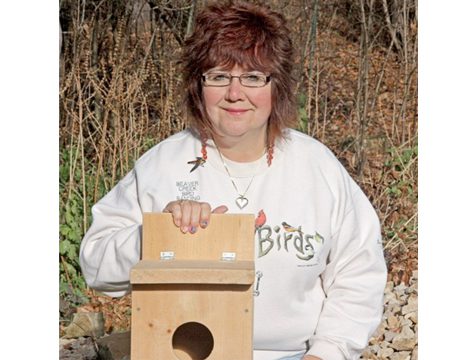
(241, 150)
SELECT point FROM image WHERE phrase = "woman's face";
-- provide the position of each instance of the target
(237, 111)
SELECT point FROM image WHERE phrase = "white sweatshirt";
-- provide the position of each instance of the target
(320, 270)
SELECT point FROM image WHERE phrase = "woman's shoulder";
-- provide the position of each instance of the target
(180, 138)
(307, 146)
(314, 156)
(169, 149)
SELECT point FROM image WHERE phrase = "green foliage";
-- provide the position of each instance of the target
(70, 227)
(400, 159)
(401, 187)
(74, 207)
(77, 189)
(402, 164)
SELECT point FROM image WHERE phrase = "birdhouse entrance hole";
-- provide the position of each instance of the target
(192, 341)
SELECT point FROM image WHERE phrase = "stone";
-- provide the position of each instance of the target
(375, 348)
(373, 341)
(116, 346)
(406, 340)
(393, 308)
(412, 316)
(77, 349)
(390, 298)
(390, 335)
(368, 355)
(393, 322)
(385, 352)
(414, 354)
(64, 342)
(384, 344)
(380, 330)
(85, 324)
(400, 289)
(403, 355)
(389, 287)
(411, 305)
(405, 322)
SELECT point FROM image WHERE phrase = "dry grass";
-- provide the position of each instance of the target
(120, 94)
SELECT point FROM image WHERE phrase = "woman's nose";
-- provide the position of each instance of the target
(234, 90)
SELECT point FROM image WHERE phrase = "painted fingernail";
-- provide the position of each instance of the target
(204, 224)
(193, 230)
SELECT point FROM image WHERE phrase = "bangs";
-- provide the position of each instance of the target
(248, 58)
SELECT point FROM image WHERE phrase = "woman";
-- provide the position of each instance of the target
(319, 260)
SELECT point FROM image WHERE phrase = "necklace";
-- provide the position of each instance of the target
(241, 201)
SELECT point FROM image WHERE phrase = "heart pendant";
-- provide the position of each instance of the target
(241, 201)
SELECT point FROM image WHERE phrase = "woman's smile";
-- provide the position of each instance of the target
(236, 112)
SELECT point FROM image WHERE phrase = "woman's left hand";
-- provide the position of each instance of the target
(189, 215)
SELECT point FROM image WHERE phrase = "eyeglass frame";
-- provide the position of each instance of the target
(267, 80)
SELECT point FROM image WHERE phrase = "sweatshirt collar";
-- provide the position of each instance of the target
(240, 169)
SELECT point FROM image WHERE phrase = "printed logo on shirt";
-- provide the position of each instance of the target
(286, 237)
(188, 190)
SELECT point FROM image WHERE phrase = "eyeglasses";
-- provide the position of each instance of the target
(225, 79)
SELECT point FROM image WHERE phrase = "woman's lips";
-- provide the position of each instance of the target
(236, 112)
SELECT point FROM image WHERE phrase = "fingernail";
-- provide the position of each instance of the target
(204, 224)
(184, 229)
(193, 230)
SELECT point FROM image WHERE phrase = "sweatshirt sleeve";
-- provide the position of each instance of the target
(353, 282)
(112, 245)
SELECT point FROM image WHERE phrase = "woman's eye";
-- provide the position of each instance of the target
(253, 78)
(218, 77)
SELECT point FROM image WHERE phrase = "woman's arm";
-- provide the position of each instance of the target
(353, 281)
(112, 245)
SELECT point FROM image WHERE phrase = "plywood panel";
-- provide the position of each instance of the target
(193, 272)
(225, 233)
(226, 310)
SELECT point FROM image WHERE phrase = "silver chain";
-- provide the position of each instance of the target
(241, 201)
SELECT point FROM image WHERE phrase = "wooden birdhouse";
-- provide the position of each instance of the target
(192, 294)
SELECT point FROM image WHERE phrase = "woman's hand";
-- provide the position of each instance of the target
(311, 357)
(188, 215)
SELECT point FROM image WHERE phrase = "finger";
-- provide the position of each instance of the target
(220, 210)
(194, 217)
(174, 208)
(204, 214)
(186, 209)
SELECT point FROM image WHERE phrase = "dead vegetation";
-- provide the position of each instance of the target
(119, 95)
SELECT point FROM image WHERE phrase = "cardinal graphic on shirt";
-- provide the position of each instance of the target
(260, 220)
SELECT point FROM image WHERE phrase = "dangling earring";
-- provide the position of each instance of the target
(270, 153)
(203, 141)
(269, 147)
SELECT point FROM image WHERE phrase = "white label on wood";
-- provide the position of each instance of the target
(167, 255)
(228, 256)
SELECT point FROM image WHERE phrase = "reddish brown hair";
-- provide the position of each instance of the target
(252, 36)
